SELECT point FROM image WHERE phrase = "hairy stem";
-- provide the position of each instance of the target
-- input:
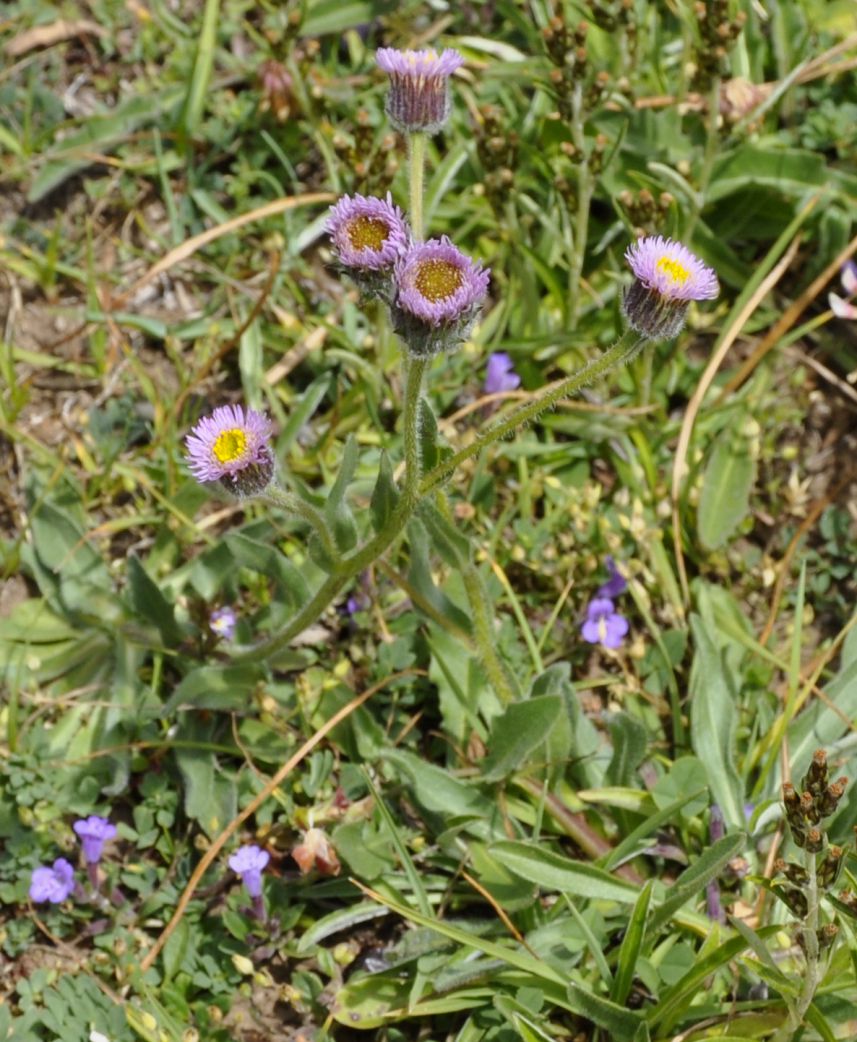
(483, 631)
(712, 140)
(416, 174)
(625, 348)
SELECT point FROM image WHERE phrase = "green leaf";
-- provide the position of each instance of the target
(673, 999)
(621, 1023)
(726, 485)
(632, 942)
(427, 427)
(211, 797)
(216, 687)
(148, 601)
(784, 170)
(706, 867)
(686, 774)
(336, 509)
(824, 721)
(385, 495)
(522, 728)
(713, 723)
(341, 919)
(630, 744)
(335, 16)
(453, 547)
(646, 828)
(420, 577)
(552, 871)
(437, 790)
(175, 949)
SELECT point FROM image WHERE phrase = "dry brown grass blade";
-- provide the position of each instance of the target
(729, 338)
(190, 246)
(788, 319)
(251, 808)
(501, 915)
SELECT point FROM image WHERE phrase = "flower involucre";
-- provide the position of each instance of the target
(233, 448)
(419, 87)
(369, 234)
(667, 277)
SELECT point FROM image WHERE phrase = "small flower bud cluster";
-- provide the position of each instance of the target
(646, 212)
(374, 165)
(566, 48)
(276, 90)
(805, 814)
(497, 148)
(718, 32)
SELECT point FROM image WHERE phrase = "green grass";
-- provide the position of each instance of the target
(581, 805)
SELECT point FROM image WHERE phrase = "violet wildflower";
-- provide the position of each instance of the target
(222, 621)
(52, 884)
(369, 235)
(667, 278)
(94, 832)
(439, 292)
(615, 585)
(603, 625)
(500, 374)
(248, 862)
(844, 308)
(232, 447)
(419, 87)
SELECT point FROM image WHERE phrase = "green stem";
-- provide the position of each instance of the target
(483, 632)
(293, 504)
(416, 164)
(625, 348)
(585, 189)
(416, 369)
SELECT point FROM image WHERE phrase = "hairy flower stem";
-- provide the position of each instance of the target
(811, 971)
(625, 348)
(416, 174)
(483, 632)
(306, 512)
(585, 189)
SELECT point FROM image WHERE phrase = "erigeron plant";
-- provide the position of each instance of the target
(434, 293)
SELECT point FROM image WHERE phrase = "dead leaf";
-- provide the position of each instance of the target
(47, 35)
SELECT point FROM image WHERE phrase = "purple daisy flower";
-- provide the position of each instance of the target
(248, 862)
(222, 622)
(615, 585)
(52, 884)
(439, 293)
(233, 448)
(603, 625)
(419, 87)
(94, 833)
(667, 277)
(500, 374)
(368, 233)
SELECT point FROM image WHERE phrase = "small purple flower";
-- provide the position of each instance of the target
(52, 884)
(232, 447)
(667, 277)
(419, 87)
(603, 625)
(222, 622)
(439, 291)
(500, 374)
(94, 833)
(248, 862)
(844, 308)
(368, 233)
(615, 585)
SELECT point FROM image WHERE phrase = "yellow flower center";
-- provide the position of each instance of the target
(367, 233)
(230, 445)
(675, 272)
(438, 279)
